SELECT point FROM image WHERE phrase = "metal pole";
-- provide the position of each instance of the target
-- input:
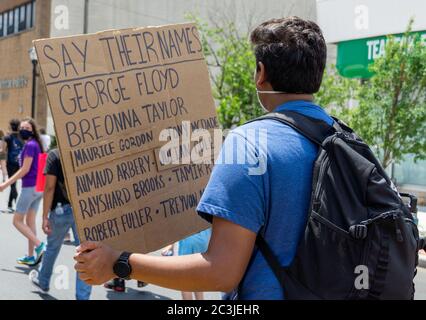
(86, 16)
(33, 96)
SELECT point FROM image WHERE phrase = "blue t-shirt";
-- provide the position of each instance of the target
(263, 180)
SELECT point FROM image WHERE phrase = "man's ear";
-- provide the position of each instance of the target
(260, 75)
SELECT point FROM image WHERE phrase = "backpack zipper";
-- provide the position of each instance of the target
(383, 215)
(394, 214)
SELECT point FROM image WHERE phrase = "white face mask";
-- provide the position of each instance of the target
(279, 92)
(266, 92)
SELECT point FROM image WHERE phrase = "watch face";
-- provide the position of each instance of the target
(122, 269)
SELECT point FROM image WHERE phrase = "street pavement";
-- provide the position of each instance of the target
(14, 278)
(15, 284)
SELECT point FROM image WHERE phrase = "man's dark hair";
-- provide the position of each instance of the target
(14, 124)
(293, 52)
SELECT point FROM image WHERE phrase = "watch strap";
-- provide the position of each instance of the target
(124, 257)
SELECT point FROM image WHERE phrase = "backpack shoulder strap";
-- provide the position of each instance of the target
(314, 129)
(271, 259)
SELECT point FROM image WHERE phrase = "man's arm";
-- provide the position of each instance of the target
(221, 268)
(49, 191)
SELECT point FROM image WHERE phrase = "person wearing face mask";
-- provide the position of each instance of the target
(29, 200)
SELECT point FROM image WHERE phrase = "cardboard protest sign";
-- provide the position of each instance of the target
(134, 118)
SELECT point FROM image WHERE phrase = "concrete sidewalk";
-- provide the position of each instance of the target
(15, 283)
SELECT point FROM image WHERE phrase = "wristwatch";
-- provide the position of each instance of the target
(122, 267)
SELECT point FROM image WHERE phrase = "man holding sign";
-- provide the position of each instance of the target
(113, 92)
(290, 55)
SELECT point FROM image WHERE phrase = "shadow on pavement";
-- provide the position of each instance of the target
(69, 243)
(22, 270)
(132, 294)
(44, 296)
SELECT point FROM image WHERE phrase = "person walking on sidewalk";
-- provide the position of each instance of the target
(57, 220)
(29, 200)
(13, 148)
(3, 156)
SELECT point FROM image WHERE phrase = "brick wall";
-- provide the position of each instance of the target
(15, 64)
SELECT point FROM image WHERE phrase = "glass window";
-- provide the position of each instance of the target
(10, 22)
(5, 24)
(16, 18)
(22, 24)
(29, 15)
(1, 25)
(33, 5)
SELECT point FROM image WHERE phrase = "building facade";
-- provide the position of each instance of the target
(21, 21)
(359, 32)
(345, 22)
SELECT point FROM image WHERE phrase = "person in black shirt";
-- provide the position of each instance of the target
(57, 220)
(13, 147)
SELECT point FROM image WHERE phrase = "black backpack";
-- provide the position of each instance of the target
(14, 149)
(357, 225)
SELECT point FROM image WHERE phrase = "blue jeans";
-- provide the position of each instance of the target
(60, 224)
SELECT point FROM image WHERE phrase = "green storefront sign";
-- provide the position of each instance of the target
(354, 56)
